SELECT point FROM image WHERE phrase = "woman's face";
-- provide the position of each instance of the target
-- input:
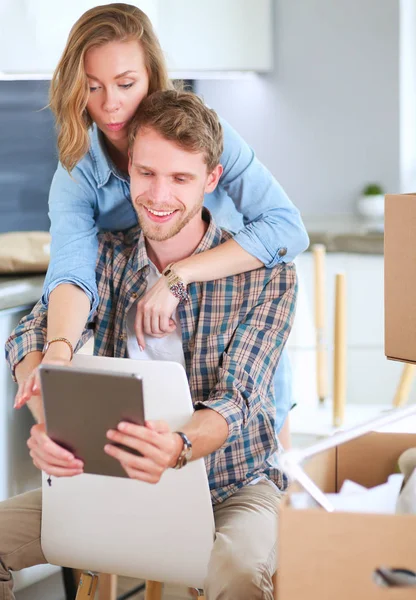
(118, 82)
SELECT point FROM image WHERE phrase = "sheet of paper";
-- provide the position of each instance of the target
(380, 499)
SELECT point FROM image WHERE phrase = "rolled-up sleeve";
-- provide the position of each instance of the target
(273, 228)
(245, 375)
(74, 245)
(28, 336)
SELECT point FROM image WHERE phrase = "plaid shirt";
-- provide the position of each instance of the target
(233, 332)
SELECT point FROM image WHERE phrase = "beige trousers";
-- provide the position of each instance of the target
(242, 563)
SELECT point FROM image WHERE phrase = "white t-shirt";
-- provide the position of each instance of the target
(165, 348)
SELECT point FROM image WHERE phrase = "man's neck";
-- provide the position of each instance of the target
(182, 245)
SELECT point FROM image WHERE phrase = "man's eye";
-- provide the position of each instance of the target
(145, 173)
(180, 179)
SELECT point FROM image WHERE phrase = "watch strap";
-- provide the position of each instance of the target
(186, 452)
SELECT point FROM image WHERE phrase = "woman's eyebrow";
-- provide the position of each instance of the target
(116, 77)
(124, 74)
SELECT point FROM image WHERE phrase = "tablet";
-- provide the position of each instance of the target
(81, 405)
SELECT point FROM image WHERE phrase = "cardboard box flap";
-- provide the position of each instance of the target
(400, 277)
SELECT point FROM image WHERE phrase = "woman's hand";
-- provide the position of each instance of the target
(30, 386)
(154, 312)
(50, 457)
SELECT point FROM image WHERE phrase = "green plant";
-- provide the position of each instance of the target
(373, 189)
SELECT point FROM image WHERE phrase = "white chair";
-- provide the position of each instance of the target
(160, 533)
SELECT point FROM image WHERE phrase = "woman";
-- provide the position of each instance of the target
(112, 60)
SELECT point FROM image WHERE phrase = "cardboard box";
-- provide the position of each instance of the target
(400, 277)
(332, 556)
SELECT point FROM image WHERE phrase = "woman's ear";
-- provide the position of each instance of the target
(130, 159)
(213, 179)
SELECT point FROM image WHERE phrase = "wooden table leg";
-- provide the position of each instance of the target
(319, 253)
(340, 350)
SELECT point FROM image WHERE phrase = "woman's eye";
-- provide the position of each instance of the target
(126, 86)
(93, 89)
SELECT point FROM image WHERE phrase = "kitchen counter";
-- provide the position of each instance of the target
(20, 290)
(345, 233)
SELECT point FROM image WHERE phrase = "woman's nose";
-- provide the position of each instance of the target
(111, 103)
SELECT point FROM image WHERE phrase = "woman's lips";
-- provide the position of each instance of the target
(115, 126)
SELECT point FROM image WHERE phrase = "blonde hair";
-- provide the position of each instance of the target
(69, 91)
(181, 117)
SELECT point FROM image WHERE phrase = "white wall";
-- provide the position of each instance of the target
(326, 121)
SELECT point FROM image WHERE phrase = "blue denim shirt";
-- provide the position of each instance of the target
(96, 196)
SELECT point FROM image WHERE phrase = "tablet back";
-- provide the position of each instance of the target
(81, 405)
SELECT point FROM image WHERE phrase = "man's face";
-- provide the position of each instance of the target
(167, 184)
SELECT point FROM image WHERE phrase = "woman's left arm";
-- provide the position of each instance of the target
(273, 229)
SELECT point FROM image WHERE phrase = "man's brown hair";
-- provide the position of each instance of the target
(183, 118)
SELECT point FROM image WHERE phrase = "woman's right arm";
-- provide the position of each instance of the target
(70, 289)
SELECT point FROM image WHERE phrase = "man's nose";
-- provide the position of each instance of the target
(159, 190)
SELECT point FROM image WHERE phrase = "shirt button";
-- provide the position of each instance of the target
(134, 295)
(122, 337)
(282, 252)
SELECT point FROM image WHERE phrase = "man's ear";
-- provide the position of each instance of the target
(213, 179)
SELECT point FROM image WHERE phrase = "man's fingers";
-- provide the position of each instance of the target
(154, 320)
(56, 471)
(138, 326)
(140, 475)
(40, 439)
(159, 426)
(136, 463)
(157, 455)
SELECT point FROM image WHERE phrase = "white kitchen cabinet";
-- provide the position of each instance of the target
(219, 35)
(34, 32)
(196, 36)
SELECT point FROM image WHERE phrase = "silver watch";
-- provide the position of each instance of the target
(186, 453)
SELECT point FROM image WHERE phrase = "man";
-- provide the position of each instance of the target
(229, 336)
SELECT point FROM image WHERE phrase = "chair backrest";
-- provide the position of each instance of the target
(161, 532)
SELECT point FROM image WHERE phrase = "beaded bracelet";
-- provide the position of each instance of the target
(175, 284)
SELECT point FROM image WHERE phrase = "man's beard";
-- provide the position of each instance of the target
(160, 232)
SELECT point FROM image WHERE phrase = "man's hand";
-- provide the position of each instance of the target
(160, 449)
(51, 458)
(154, 310)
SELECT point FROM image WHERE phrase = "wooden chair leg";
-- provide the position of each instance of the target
(107, 587)
(87, 586)
(403, 390)
(153, 590)
(196, 593)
